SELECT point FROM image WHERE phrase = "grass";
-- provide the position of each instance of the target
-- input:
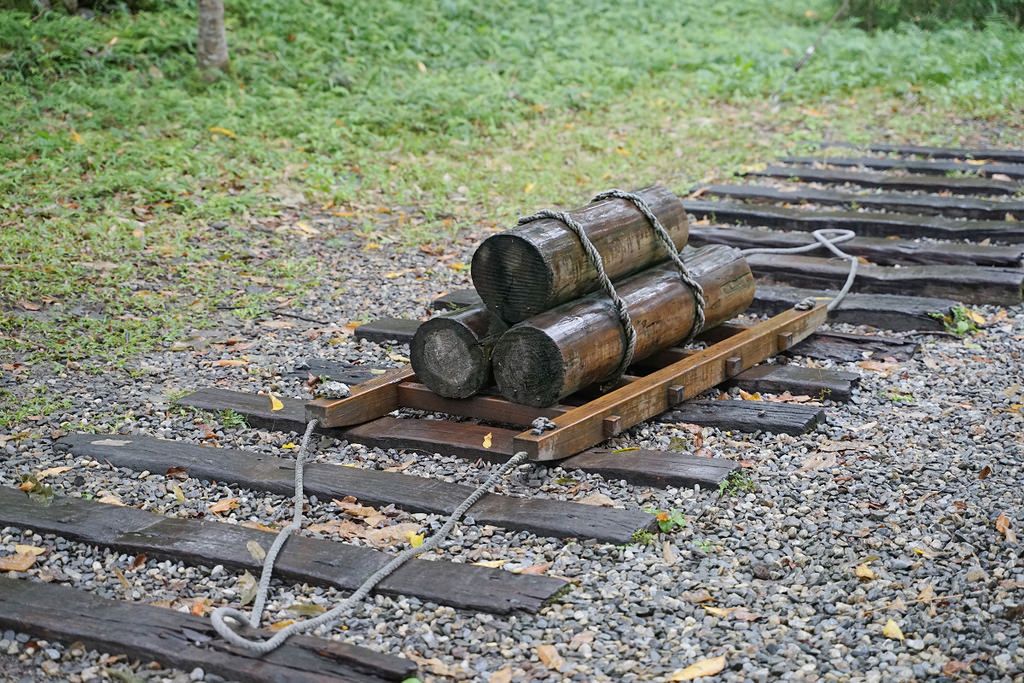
(116, 157)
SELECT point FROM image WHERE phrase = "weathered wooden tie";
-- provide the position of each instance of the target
(927, 167)
(303, 559)
(1013, 156)
(184, 641)
(886, 181)
(748, 416)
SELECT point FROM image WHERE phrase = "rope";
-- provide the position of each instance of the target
(809, 52)
(828, 238)
(219, 615)
(621, 311)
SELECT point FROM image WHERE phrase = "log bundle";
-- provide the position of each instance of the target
(545, 332)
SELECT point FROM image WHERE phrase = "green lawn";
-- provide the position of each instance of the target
(115, 155)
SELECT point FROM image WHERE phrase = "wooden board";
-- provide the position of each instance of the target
(1015, 156)
(652, 468)
(368, 401)
(336, 371)
(926, 166)
(887, 181)
(854, 347)
(864, 224)
(387, 330)
(544, 517)
(455, 299)
(968, 284)
(748, 416)
(885, 311)
(818, 383)
(875, 249)
(589, 424)
(452, 439)
(184, 641)
(951, 206)
(308, 560)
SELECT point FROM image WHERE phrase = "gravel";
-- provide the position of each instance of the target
(907, 480)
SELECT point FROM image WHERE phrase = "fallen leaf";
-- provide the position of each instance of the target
(705, 667)
(389, 535)
(598, 499)
(493, 564)
(124, 582)
(668, 554)
(398, 358)
(224, 505)
(31, 549)
(139, 560)
(28, 305)
(877, 366)
(256, 550)
(289, 446)
(176, 472)
(231, 362)
(52, 470)
(178, 494)
(697, 596)
(863, 571)
(110, 499)
(415, 540)
(955, 666)
(985, 471)
(17, 563)
(277, 324)
(306, 610)
(261, 527)
(501, 676)
(370, 515)
(718, 611)
(536, 569)
(223, 131)
(246, 586)
(403, 466)
(892, 630)
(549, 657)
(926, 594)
(275, 403)
(487, 439)
(278, 625)
(747, 396)
(1003, 527)
(581, 638)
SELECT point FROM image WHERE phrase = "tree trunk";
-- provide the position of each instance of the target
(212, 47)
(560, 351)
(451, 354)
(526, 271)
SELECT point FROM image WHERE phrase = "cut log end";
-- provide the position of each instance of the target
(448, 357)
(512, 276)
(531, 368)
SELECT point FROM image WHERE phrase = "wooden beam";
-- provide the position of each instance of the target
(969, 284)
(368, 401)
(900, 202)
(748, 416)
(886, 181)
(582, 427)
(544, 517)
(864, 224)
(875, 249)
(818, 383)
(927, 167)
(386, 330)
(1014, 156)
(303, 559)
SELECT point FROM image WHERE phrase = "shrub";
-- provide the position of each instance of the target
(930, 14)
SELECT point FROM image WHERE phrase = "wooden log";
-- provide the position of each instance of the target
(969, 284)
(930, 204)
(980, 186)
(305, 560)
(885, 311)
(927, 167)
(539, 265)
(748, 416)
(184, 641)
(451, 353)
(875, 249)
(558, 352)
(1013, 156)
(866, 224)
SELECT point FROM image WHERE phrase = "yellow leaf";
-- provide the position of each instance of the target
(718, 611)
(622, 150)
(864, 571)
(415, 540)
(28, 549)
(629, 448)
(75, 137)
(528, 188)
(746, 396)
(422, 67)
(110, 499)
(398, 358)
(892, 630)
(705, 667)
(17, 563)
(487, 440)
(976, 317)
(549, 657)
(977, 162)
(231, 363)
(278, 625)
(1003, 527)
(178, 495)
(289, 446)
(52, 470)
(224, 505)
(275, 403)
(223, 131)
(493, 564)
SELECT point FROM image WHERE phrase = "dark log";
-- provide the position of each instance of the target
(846, 347)
(527, 270)
(865, 224)
(1013, 156)
(875, 249)
(384, 330)
(184, 641)
(451, 353)
(551, 355)
(969, 284)
(953, 207)
(818, 383)
(927, 167)
(544, 517)
(748, 416)
(305, 560)
(888, 181)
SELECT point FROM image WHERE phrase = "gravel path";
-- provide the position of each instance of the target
(904, 485)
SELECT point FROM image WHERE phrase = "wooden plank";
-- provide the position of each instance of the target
(985, 168)
(652, 468)
(387, 330)
(875, 249)
(864, 224)
(1014, 156)
(885, 311)
(887, 181)
(748, 416)
(969, 284)
(583, 427)
(544, 517)
(819, 383)
(954, 207)
(184, 641)
(460, 440)
(853, 347)
(368, 401)
(308, 560)
(336, 371)
(490, 408)
(455, 299)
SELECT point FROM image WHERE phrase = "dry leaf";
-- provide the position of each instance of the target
(231, 362)
(178, 495)
(892, 630)
(277, 324)
(52, 470)
(261, 527)
(863, 571)
(124, 582)
(247, 587)
(223, 505)
(746, 396)
(718, 611)
(176, 472)
(926, 594)
(139, 560)
(17, 563)
(876, 366)
(493, 564)
(487, 439)
(28, 549)
(697, 596)
(278, 625)
(955, 666)
(985, 471)
(110, 499)
(537, 569)
(275, 403)
(349, 506)
(398, 358)
(549, 657)
(581, 638)
(669, 554)
(1003, 527)
(256, 550)
(389, 535)
(502, 676)
(598, 499)
(705, 667)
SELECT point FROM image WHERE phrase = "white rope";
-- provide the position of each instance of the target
(221, 614)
